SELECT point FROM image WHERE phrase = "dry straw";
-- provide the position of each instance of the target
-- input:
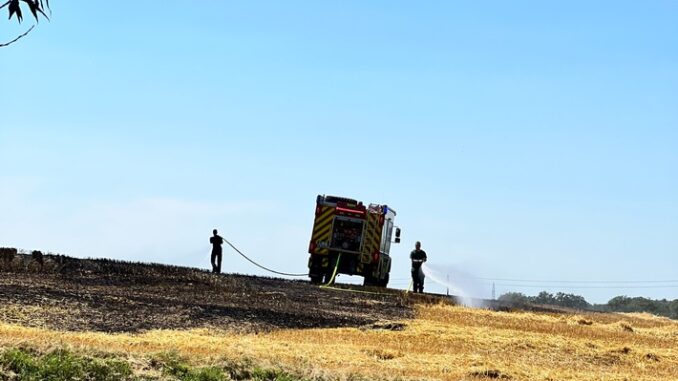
(443, 343)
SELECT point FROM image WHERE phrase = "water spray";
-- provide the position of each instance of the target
(466, 289)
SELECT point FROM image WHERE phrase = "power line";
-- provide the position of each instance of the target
(576, 281)
(566, 287)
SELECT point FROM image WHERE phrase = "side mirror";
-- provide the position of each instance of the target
(397, 238)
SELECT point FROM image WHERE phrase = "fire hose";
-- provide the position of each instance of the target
(261, 266)
(328, 285)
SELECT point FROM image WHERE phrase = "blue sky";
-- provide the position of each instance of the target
(522, 140)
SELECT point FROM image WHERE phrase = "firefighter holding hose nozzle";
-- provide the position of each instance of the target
(216, 242)
(418, 257)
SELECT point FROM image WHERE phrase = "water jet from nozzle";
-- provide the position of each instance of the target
(464, 288)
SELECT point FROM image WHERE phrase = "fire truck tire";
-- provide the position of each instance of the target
(384, 282)
(316, 279)
(369, 281)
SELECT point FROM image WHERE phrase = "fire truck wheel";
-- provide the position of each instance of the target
(317, 279)
(369, 281)
(384, 282)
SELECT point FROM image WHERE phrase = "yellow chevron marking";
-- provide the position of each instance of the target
(323, 235)
(322, 222)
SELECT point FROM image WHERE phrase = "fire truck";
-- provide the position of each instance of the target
(353, 238)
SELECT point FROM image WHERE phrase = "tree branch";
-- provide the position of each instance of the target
(18, 38)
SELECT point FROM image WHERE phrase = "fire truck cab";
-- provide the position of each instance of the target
(354, 238)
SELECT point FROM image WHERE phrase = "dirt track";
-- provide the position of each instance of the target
(110, 296)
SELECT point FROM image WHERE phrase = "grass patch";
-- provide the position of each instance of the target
(174, 367)
(24, 364)
(61, 365)
(178, 368)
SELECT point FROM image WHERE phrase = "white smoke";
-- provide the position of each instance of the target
(466, 289)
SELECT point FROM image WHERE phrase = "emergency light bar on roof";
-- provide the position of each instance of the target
(337, 200)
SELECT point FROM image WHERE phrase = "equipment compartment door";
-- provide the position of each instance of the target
(347, 234)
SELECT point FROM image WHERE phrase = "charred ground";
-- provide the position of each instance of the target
(114, 296)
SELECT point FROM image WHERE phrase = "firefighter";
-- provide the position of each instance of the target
(418, 257)
(216, 242)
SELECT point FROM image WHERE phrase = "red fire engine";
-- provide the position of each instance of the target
(353, 238)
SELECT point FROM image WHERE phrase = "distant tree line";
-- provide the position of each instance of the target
(661, 307)
(559, 299)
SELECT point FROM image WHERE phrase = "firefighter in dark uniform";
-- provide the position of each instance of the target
(418, 257)
(216, 242)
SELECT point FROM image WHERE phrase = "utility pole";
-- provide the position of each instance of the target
(493, 292)
(448, 284)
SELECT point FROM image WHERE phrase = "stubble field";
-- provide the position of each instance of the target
(99, 310)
